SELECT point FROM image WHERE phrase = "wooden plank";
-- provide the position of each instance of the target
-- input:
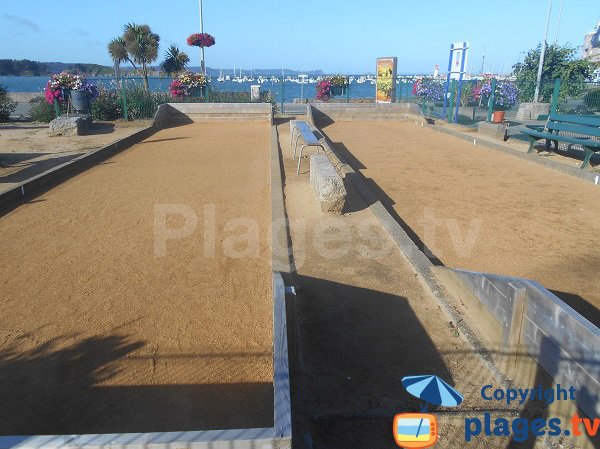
(513, 334)
(576, 129)
(560, 138)
(578, 119)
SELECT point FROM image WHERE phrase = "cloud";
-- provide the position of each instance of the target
(80, 32)
(21, 21)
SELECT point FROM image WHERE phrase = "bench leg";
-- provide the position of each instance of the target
(293, 131)
(296, 146)
(532, 142)
(586, 159)
(300, 159)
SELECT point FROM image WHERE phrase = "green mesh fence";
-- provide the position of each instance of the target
(580, 98)
(128, 99)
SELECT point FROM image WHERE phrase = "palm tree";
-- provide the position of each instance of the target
(138, 46)
(175, 60)
(118, 53)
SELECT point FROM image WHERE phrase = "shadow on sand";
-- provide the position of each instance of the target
(64, 387)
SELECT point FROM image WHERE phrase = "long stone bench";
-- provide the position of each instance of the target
(327, 184)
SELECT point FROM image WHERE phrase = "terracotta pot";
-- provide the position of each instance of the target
(498, 116)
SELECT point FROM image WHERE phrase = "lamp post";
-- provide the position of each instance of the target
(542, 55)
(202, 62)
(559, 17)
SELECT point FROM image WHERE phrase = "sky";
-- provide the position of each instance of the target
(336, 36)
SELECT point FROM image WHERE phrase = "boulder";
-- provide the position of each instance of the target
(327, 184)
(531, 111)
(69, 126)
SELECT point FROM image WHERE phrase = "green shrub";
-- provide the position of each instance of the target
(6, 105)
(592, 100)
(41, 110)
(107, 106)
(142, 104)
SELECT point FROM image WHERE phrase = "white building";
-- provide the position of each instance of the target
(591, 45)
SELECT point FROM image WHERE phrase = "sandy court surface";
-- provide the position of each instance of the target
(26, 149)
(365, 321)
(99, 334)
(482, 210)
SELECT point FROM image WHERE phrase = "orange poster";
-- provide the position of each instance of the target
(386, 74)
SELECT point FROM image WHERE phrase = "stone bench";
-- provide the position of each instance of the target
(327, 184)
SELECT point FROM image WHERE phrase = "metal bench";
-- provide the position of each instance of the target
(310, 140)
(293, 130)
(586, 130)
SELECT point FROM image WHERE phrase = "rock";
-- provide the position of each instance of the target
(327, 184)
(69, 126)
(531, 111)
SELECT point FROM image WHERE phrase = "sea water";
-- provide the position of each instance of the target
(291, 90)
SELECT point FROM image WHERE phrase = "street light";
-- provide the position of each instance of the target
(202, 62)
(542, 54)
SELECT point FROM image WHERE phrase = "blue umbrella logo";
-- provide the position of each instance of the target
(432, 390)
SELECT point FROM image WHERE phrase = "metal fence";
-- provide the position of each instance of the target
(473, 102)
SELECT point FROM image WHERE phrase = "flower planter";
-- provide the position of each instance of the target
(498, 117)
(80, 101)
(65, 94)
(197, 92)
(337, 91)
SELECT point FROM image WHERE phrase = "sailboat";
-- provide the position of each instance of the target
(220, 79)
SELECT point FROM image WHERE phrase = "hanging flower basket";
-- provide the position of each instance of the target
(202, 40)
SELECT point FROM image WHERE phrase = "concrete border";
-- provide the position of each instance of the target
(277, 437)
(537, 323)
(207, 112)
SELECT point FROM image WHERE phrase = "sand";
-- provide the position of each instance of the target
(482, 210)
(99, 334)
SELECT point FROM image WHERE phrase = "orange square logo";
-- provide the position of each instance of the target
(415, 430)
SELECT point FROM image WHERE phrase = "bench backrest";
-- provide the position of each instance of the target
(576, 124)
(586, 120)
(307, 133)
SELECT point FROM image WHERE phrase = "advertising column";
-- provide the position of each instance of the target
(386, 76)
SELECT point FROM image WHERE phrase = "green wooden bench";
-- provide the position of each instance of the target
(586, 129)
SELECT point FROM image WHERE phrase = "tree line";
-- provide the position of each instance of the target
(25, 67)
